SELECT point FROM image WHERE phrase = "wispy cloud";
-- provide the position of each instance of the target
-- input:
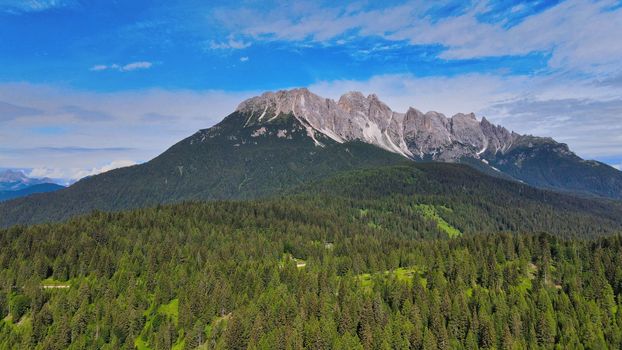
(22, 6)
(74, 174)
(593, 48)
(243, 58)
(123, 68)
(10, 111)
(85, 114)
(590, 49)
(229, 44)
(588, 125)
(136, 65)
(100, 67)
(74, 149)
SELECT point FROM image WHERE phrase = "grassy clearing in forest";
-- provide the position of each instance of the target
(300, 263)
(51, 283)
(170, 310)
(403, 274)
(431, 213)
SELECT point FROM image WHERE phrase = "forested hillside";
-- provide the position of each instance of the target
(227, 161)
(345, 267)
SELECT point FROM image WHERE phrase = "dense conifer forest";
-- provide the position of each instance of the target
(425, 257)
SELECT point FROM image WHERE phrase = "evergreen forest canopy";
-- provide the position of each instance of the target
(425, 256)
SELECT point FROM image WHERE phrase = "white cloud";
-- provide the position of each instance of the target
(618, 166)
(590, 126)
(466, 93)
(46, 172)
(125, 129)
(74, 174)
(136, 65)
(124, 68)
(110, 166)
(19, 6)
(243, 58)
(579, 34)
(99, 67)
(230, 44)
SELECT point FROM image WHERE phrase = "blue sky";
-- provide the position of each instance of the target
(89, 85)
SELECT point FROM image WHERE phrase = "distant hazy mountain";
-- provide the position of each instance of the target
(39, 188)
(13, 180)
(278, 141)
(15, 184)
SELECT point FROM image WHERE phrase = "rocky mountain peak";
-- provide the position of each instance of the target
(366, 118)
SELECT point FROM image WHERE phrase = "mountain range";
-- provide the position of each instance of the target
(276, 142)
(13, 180)
(15, 184)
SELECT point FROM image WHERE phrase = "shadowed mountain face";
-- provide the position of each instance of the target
(279, 141)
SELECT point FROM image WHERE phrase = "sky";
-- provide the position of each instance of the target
(88, 86)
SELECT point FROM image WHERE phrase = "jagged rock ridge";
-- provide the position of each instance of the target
(355, 117)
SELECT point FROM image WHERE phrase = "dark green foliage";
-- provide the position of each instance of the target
(19, 305)
(379, 273)
(466, 199)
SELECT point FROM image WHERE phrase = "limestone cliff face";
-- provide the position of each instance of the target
(356, 117)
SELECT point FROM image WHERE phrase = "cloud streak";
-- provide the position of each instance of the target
(10, 111)
(590, 126)
(24, 6)
(74, 174)
(68, 149)
(122, 68)
(230, 44)
(578, 34)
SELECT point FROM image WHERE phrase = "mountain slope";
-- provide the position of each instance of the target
(227, 161)
(470, 201)
(545, 163)
(39, 188)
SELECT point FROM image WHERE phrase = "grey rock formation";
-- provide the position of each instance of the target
(412, 134)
